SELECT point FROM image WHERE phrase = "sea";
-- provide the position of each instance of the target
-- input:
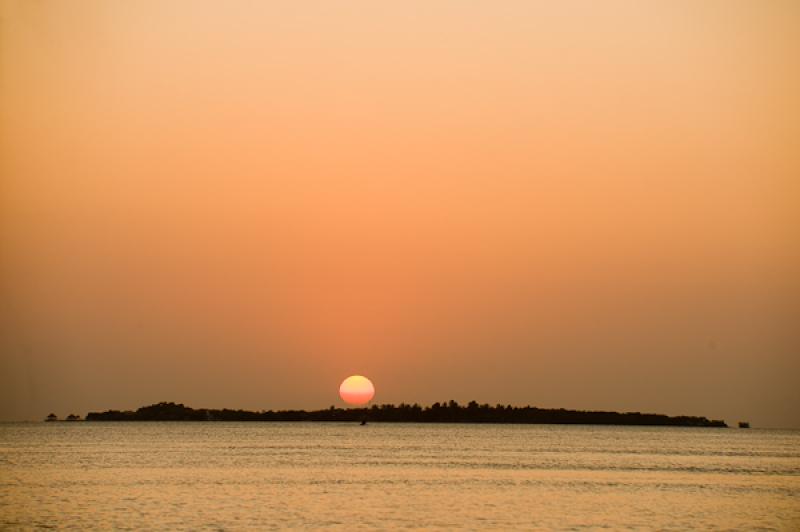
(257, 475)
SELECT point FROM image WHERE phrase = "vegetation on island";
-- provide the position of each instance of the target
(450, 412)
(71, 417)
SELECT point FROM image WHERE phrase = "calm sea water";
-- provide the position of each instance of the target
(262, 475)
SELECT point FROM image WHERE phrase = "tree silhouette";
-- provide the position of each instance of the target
(450, 412)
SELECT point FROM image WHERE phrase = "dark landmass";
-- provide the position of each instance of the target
(450, 412)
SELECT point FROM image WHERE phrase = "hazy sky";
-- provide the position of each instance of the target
(589, 205)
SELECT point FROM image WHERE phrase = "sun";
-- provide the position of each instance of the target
(356, 390)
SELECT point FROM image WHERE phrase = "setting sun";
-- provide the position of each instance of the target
(561, 235)
(356, 390)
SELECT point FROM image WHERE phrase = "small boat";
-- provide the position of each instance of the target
(363, 422)
(744, 425)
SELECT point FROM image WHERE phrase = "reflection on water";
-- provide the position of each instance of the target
(257, 475)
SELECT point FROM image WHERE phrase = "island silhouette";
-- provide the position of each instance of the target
(449, 412)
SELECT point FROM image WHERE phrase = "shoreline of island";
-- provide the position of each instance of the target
(449, 412)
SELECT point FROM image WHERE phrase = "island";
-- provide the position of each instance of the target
(449, 412)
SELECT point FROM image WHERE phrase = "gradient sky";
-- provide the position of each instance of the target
(575, 204)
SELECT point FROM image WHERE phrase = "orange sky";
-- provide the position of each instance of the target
(237, 204)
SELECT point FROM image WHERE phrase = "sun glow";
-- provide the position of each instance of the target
(356, 390)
